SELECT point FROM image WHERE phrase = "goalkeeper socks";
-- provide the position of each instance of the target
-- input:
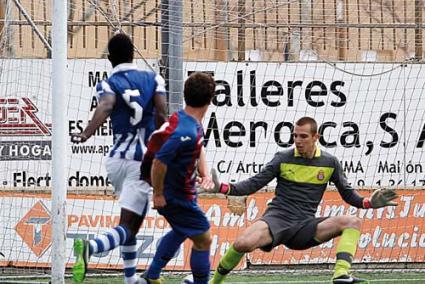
(229, 261)
(200, 264)
(345, 251)
(129, 256)
(110, 240)
(167, 248)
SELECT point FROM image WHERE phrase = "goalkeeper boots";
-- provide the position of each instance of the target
(81, 252)
(145, 280)
(344, 279)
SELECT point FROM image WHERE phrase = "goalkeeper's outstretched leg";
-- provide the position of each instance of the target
(271, 231)
(255, 236)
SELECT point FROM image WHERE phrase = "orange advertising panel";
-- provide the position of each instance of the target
(392, 234)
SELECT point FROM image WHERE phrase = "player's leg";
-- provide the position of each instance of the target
(84, 249)
(81, 252)
(200, 258)
(169, 243)
(349, 229)
(187, 220)
(133, 222)
(134, 201)
(110, 239)
(255, 236)
(166, 250)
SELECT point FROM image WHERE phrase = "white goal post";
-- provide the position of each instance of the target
(59, 139)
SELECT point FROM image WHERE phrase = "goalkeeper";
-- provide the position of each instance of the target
(302, 176)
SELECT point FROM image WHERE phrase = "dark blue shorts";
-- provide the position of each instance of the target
(185, 217)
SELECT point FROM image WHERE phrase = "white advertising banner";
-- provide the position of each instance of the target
(28, 230)
(374, 123)
(392, 234)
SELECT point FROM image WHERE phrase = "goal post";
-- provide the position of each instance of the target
(172, 51)
(59, 139)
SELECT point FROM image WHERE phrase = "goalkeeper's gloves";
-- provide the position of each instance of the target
(219, 187)
(380, 198)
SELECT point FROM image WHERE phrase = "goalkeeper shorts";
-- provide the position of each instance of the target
(294, 235)
(134, 194)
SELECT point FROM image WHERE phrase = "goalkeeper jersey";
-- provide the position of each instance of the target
(132, 117)
(177, 144)
(301, 183)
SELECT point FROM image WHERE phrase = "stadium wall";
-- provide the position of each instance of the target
(215, 30)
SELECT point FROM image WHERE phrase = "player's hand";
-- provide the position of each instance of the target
(382, 197)
(205, 184)
(78, 138)
(159, 201)
(216, 186)
(216, 181)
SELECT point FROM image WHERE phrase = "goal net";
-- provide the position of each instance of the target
(355, 66)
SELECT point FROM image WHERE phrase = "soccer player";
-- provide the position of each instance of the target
(176, 154)
(302, 175)
(135, 101)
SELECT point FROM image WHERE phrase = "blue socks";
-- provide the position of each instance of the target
(169, 245)
(200, 264)
(166, 250)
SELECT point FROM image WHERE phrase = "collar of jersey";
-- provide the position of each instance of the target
(124, 67)
(316, 153)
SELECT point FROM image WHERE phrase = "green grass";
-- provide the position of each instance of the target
(275, 278)
(263, 278)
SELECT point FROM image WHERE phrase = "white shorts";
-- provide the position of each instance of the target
(134, 194)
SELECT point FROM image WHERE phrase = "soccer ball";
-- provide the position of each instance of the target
(188, 279)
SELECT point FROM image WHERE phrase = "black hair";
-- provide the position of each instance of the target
(199, 89)
(121, 49)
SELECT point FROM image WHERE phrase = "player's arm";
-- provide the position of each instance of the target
(158, 172)
(379, 198)
(252, 184)
(102, 112)
(346, 191)
(204, 180)
(160, 109)
(160, 103)
(164, 157)
(202, 165)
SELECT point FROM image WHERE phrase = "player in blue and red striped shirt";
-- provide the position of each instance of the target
(176, 155)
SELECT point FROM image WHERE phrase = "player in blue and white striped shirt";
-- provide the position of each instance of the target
(135, 101)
